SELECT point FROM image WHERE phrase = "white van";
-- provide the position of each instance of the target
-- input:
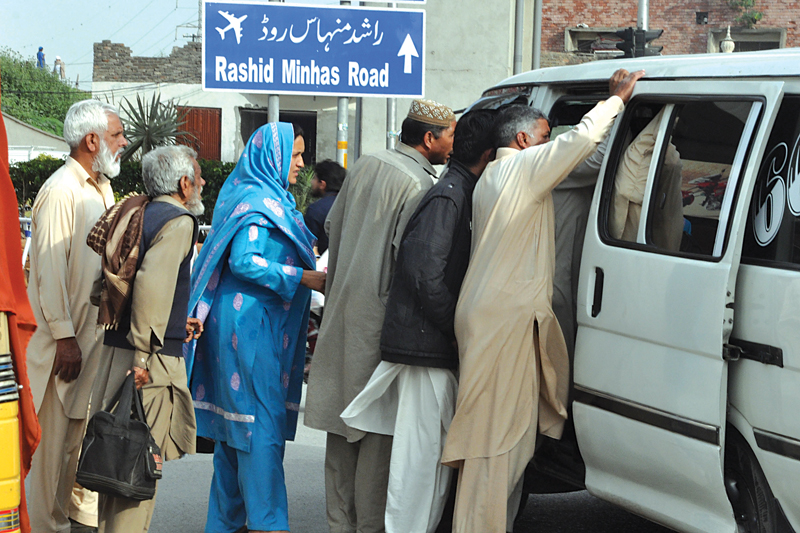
(686, 397)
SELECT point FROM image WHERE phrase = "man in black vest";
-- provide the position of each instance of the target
(150, 336)
(413, 390)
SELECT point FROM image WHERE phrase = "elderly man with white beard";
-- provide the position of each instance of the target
(64, 353)
(147, 330)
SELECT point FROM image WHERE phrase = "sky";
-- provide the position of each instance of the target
(69, 28)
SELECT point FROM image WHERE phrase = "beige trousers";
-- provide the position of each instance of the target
(356, 481)
(121, 515)
(54, 496)
(486, 484)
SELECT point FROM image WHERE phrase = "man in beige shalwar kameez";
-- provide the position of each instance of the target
(514, 371)
(65, 351)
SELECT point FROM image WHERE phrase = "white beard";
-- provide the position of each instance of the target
(106, 162)
(195, 204)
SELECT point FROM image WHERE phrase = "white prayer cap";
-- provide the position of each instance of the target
(430, 112)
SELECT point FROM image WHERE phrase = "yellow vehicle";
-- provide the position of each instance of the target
(9, 437)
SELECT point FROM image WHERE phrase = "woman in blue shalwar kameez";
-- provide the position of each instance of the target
(251, 287)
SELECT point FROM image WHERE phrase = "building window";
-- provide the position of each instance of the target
(598, 41)
(748, 40)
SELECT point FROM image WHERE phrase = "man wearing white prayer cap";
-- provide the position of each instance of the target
(365, 227)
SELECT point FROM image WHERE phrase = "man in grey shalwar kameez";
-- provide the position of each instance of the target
(365, 226)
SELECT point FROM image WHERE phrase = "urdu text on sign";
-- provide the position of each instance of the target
(322, 50)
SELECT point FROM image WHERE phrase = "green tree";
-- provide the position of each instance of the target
(33, 95)
(748, 15)
(302, 189)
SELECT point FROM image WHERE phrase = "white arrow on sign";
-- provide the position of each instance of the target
(408, 50)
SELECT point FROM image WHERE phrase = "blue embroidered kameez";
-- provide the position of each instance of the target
(246, 369)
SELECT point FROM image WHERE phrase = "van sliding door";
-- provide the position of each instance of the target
(656, 297)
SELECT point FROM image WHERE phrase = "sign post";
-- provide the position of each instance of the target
(276, 48)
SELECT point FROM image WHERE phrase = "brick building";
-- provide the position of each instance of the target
(114, 62)
(690, 26)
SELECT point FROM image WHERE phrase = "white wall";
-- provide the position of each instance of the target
(469, 47)
(26, 138)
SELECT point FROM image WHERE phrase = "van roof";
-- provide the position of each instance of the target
(767, 63)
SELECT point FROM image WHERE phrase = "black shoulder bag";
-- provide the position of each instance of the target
(119, 457)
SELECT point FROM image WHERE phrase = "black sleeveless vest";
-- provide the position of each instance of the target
(156, 215)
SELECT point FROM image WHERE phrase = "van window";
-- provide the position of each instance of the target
(772, 235)
(671, 178)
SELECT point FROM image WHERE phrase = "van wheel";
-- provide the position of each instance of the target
(754, 506)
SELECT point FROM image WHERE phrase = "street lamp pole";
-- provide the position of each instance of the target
(644, 15)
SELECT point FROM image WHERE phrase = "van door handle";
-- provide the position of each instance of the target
(598, 291)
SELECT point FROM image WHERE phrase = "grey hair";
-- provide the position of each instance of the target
(163, 168)
(514, 119)
(85, 117)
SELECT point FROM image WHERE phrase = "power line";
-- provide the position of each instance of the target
(157, 41)
(122, 27)
(151, 29)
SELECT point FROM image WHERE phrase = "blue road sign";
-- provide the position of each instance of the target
(292, 49)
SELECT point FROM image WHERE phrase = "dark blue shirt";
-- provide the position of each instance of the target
(315, 216)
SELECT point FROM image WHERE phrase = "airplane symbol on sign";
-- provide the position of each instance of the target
(234, 24)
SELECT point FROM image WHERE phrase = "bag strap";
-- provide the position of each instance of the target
(127, 399)
(122, 411)
(137, 400)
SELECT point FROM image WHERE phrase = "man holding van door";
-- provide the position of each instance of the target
(514, 369)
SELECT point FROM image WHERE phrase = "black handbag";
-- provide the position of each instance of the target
(119, 457)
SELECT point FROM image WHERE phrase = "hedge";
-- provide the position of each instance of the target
(28, 176)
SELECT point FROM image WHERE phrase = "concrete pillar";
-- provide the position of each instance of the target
(519, 28)
(273, 108)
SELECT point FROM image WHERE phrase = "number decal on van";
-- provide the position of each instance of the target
(769, 198)
(779, 188)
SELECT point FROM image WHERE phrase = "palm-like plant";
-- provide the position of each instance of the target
(148, 126)
(302, 189)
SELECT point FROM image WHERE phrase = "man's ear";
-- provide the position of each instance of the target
(488, 155)
(323, 186)
(185, 186)
(521, 139)
(92, 141)
(428, 139)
